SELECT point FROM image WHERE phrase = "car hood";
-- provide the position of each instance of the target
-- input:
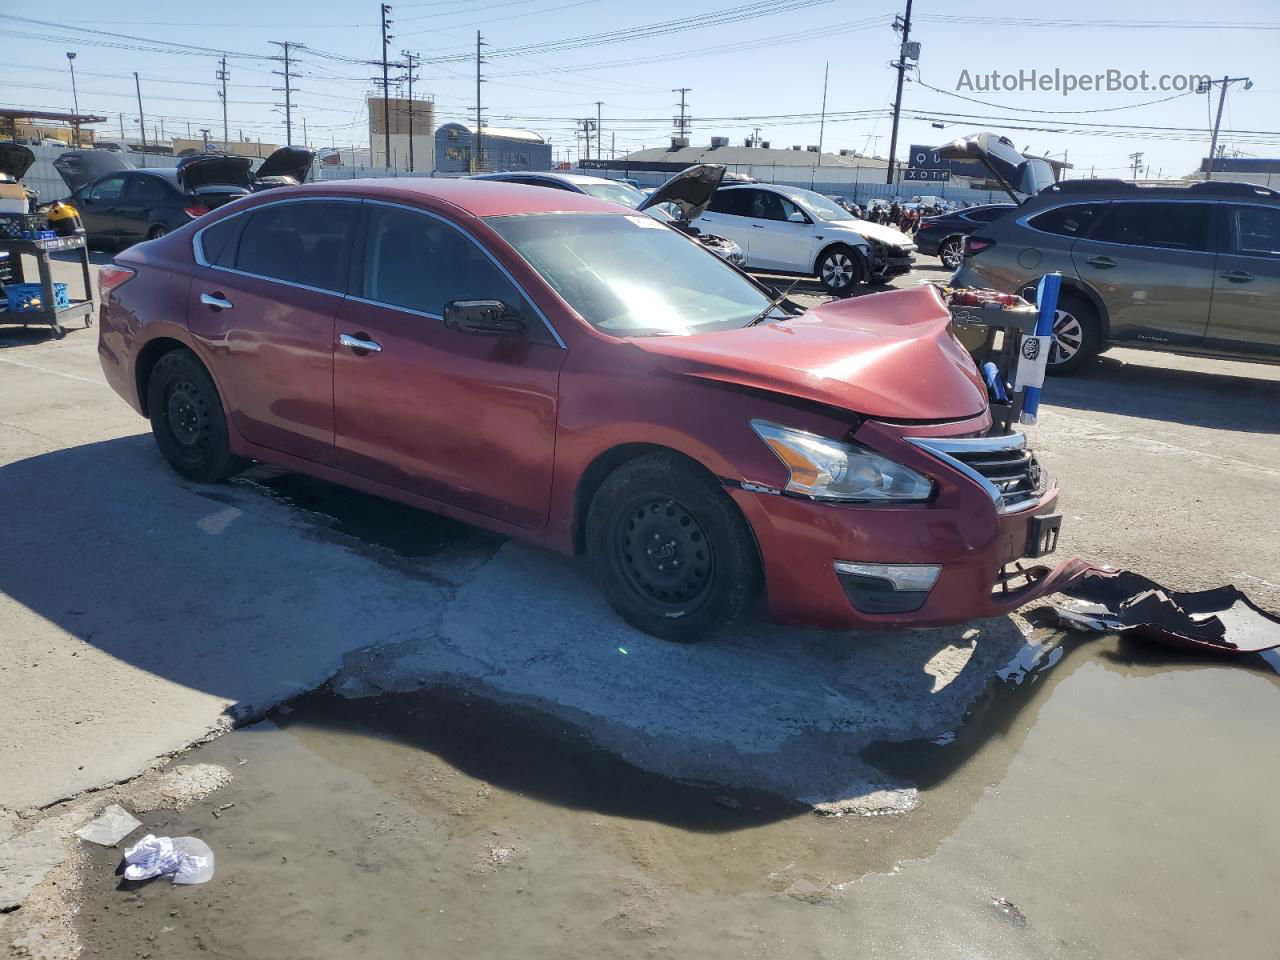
(292, 162)
(15, 159)
(690, 190)
(78, 167)
(209, 169)
(890, 236)
(889, 355)
(1020, 176)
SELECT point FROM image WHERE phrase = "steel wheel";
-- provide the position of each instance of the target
(664, 554)
(1068, 338)
(951, 253)
(187, 416)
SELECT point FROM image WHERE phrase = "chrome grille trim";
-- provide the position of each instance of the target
(978, 458)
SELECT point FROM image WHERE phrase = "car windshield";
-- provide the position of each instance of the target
(631, 276)
(824, 208)
(621, 193)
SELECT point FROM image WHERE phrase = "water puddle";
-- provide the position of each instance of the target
(1115, 802)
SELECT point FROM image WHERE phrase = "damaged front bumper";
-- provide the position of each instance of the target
(975, 550)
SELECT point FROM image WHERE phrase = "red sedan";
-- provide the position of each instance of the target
(564, 370)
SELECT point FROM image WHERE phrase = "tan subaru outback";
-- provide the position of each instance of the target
(1185, 268)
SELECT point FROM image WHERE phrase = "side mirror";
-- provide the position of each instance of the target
(797, 217)
(483, 317)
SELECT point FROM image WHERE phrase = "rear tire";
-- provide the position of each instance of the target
(1077, 335)
(951, 252)
(672, 553)
(156, 232)
(187, 419)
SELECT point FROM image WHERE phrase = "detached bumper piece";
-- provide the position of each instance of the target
(1222, 621)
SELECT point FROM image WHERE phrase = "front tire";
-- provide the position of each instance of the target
(187, 419)
(840, 269)
(671, 551)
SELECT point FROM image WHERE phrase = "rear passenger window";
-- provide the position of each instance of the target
(1172, 226)
(1254, 231)
(988, 215)
(420, 263)
(1073, 220)
(736, 203)
(218, 242)
(300, 242)
(149, 190)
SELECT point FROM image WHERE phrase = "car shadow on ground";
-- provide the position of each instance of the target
(256, 598)
(1219, 396)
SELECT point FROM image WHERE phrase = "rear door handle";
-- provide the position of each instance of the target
(216, 300)
(757, 226)
(1102, 263)
(358, 343)
(1236, 276)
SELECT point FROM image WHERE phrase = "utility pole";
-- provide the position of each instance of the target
(122, 143)
(75, 99)
(1136, 160)
(822, 124)
(613, 144)
(682, 121)
(599, 130)
(901, 63)
(287, 89)
(411, 61)
(304, 131)
(386, 107)
(1217, 122)
(142, 120)
(223, 75)
(478, 140)
(586, 138)
(755, 137)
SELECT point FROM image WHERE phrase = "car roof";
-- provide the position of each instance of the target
(163, 173)
(481, 198)
(578, 179)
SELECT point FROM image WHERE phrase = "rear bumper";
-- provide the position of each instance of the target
(961, 532)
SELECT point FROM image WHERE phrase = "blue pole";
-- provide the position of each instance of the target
(1047, 300)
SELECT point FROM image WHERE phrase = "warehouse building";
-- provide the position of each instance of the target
(504, 149)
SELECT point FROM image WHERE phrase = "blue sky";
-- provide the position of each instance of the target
(767, 66)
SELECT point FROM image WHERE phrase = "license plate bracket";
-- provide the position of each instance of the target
(1042, 534)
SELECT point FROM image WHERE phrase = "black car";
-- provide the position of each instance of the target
(119, 204)
(942, 236)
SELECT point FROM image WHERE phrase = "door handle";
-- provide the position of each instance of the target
(1102, 263)
(358, 343)
(757, 226)
(216, 300)
(1236, 276)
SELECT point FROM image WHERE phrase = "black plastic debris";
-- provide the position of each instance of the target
(1222, 621)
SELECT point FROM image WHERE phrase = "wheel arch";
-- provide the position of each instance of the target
(860, 258)
(1077, 287)
(148, 357)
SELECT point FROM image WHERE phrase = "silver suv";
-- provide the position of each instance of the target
(1189, 269)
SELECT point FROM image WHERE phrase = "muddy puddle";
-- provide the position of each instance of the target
(1116, 803)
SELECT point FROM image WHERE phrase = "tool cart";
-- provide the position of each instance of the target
(45, 302)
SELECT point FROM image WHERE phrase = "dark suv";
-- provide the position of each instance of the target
(1186, 268)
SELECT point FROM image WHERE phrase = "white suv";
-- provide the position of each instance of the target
(790, 230)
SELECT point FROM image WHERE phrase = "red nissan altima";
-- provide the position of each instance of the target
(564, 370)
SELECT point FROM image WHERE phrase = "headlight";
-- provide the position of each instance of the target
(831, 470)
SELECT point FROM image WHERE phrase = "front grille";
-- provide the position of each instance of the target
(1005, 468)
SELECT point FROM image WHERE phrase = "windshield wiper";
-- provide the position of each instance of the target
(759, 317)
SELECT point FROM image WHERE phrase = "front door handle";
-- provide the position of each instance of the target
(216, 300)
(1102, 263)
(757, 226)
(1236, 276)
(359, 343)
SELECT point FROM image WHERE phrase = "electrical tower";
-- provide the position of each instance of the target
(287, 89)
(683, 122)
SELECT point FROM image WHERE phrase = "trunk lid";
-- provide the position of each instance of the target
(690, 190)
(78, 167)
(291, 162)
(214, 169)
(889, 355)
(1020, 176)
(15, 159)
